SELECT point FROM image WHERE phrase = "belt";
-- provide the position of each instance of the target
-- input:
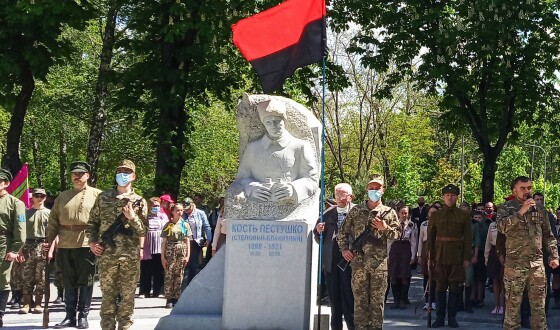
(174, 242)
(5, 233)
(36, 240)
(74, 227)
(448, 239)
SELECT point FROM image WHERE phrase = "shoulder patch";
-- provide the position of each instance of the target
(21, 218)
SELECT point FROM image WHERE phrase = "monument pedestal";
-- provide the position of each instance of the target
(269, 275)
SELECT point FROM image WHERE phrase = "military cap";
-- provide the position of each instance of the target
(187, 201)
(377, 178)
(5, 175)
(125, 163)
(80, 167)
(39, 191)
(450, 188)
(271, 107)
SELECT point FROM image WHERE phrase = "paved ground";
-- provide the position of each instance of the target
(148, 311)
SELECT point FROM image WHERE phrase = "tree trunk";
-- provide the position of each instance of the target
(99, 118)
(12, 158)
(36, 161)
(489, 173)
(62, 163)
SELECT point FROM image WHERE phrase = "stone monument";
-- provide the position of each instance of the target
(268, 277)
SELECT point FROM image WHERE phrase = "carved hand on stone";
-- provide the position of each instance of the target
(282, 191)
(259, 191)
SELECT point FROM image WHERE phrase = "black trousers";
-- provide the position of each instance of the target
(151, 276)
(339, 287)
(192, 267)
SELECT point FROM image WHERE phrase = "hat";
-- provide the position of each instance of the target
(40, 191)
(271, 107)
(450, 188)
(5, 175)
(166, 198)
(377, 178)
(187, 201)
(80, 167)
(125, 163)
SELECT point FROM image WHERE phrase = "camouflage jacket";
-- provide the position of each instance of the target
(450, 238)
(108, 206)
(375, 252)
(525, 235)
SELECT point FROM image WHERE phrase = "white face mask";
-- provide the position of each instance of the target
(122, 179)
(342, 209)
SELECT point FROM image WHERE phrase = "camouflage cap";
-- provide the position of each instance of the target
(5, 175)
(450, 188)
(188, 201)
(80, 167)
(125, 163)
(39, 191)
(376, 178)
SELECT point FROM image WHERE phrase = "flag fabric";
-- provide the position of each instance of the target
(19, 186)
(281, 39)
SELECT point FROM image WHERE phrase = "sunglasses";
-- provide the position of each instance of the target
(39, 196)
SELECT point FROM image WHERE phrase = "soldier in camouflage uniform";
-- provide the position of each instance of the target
(16, 284)
(175, 253)
(32, 254)
(369, 270)
(68, 220)
(12, 235)
(449, 252)
(119, 265)
(527, 231)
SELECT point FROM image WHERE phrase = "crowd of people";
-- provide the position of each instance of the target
(460, 250)
(115, 234)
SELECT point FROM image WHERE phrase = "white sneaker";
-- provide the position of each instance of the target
(433, 306)
(495, 310)
(501, 311)
(426, 305)
(141, 296)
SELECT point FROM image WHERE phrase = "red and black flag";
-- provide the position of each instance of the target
(281, 39)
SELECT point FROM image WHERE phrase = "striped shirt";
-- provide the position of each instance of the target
(152, 243)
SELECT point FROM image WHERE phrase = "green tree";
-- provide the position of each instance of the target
(492, 63)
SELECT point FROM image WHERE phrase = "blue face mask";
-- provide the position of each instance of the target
(122, 179)
(155, 209)
(374, 195)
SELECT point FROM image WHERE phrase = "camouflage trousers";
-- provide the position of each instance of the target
(174, 254)
(369, 297)
(515, 280)
(117, 276)
(33, 275)
(16, 276)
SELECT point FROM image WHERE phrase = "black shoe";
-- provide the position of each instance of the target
(58, 301)
(82, 323)
(438, 324)
(15, 305)
(452, 323)
(66, 323)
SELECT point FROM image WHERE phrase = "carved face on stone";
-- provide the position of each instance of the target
(274, 126)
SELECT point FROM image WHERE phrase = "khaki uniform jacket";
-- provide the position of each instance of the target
(12, 222)
(453, 227)
(71, 208)
(526, 235)
(106, 209)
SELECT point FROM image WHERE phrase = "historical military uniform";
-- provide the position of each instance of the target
(176, 249)
(469, 272)
(68, 220)
(526, 236)
(449, 244)
(35, 258)
(12, 235)
(119, 265)
(369, 270)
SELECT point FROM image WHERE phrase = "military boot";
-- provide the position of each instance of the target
(3, 302)
(468, 306)
(38, 309)
(460, 305)
(70, 302)
(452, 310)
(441, 308)
(84, 303)
(26, 305)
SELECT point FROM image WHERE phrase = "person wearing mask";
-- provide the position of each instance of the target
(527, 232)
(119, 264)
(423, 261)
(12, 225)
(369, 270)
(151, 269)
(68, 220)
(338, 281)
(402, 255)
(175, 253)
(201, 237)
(449, 253)
(32, 254)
